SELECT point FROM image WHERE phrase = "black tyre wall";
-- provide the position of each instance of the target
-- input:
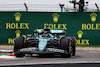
(73, 46)
(18, 43)
(64, 43)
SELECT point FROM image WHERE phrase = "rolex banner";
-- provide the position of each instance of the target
(84, 26)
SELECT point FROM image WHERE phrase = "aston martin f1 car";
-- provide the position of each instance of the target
(45, 41)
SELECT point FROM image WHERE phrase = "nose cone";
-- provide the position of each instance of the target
(42, 44)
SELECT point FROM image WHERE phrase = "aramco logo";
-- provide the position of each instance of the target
(17, 16)
(93, 17)
(55, 17)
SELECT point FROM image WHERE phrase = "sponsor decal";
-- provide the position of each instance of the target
(18, 25)
(47, 49)
(80, 33)
(28, 49)
(17, 16)
(17, 33)
(55, 50)
(56, 31)
(80, 41)
(56, 25)
(55, 17)
(42, 43)
(93, 25)
(93, 17)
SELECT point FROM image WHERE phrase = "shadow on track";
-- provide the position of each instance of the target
(54, 56)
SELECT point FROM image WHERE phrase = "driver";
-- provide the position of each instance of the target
(45, 34)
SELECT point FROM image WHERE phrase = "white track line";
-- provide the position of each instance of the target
(51, 63)
(6, 51)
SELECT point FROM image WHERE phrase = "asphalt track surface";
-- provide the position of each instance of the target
(81, 57)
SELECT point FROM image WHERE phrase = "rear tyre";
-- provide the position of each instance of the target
(66, 45)
(18, 44)
(73, 45)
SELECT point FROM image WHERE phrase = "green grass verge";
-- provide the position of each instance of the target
(5, 54)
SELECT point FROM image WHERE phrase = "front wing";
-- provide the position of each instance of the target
(34, 50)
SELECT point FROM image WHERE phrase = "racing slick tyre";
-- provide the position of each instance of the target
(66, 45)
(18, 44)
(73, 45)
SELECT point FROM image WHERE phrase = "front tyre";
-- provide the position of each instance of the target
(66, 45)
(73, 46)
(18, 44)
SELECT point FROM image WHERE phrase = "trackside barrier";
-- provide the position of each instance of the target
(84, 26)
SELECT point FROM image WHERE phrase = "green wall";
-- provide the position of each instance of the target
(84, 26)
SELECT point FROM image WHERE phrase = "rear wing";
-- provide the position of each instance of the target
(52, 31)
(57, 31)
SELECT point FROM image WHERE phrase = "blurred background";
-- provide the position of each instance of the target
(48, 5)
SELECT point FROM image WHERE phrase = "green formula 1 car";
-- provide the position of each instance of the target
(45, 41)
